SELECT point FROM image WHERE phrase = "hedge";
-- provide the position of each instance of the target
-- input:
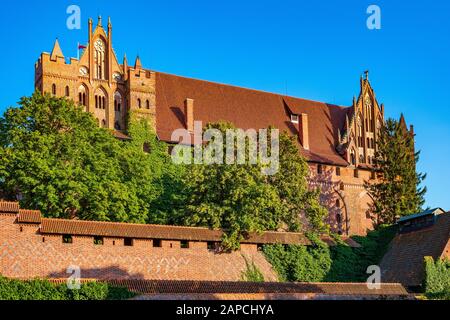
(437, 278)
(319, 262)
(38, 289)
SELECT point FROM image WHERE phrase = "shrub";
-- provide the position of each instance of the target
(37, 289)
(252, 273)
(339, 263)
(437, 278)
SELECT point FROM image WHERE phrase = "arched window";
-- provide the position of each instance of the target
(117, 101)
(99, 59)
(338, 218)
(338, 203)
(103, 103)
(82, 95)
(54, 89)
(147, 104)
(139, 103)
(352, 157)
(67, 91)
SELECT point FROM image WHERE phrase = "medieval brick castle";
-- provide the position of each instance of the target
(338, 142)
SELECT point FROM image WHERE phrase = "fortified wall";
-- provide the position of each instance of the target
(32, 246)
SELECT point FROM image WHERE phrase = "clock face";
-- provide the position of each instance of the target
(99, 45)
(367, 101)
(117, 76)
(83, 71)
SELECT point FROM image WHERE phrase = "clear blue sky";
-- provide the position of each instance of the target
(311, 49)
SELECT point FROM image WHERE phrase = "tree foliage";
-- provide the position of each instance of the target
(55, 158)
(398, 192)
(339, 263)
(437, 278)
(240, 199)
(37, 289)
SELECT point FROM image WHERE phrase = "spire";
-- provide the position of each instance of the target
(125, 67)
(56, 52)
(109, 23)
(99, 23)
(403, 122)
(137, 63)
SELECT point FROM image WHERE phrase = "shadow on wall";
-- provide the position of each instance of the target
(331, 197)
(108, 273)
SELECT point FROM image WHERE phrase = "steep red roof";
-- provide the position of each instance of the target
(404, 261)
(29, 216)
(9, 207)
(246, 109)
(241, 287)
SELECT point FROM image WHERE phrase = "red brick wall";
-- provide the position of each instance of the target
(24, 253)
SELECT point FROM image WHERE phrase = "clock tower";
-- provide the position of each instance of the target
(105, 88)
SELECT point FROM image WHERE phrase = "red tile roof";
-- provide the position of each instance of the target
(193, 287)
(246, 109)
(29, 216)
(404, 261)
(148, 231)
(9, 207)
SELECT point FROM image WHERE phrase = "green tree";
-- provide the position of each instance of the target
(56, 159)
(240, 199)
(398, 191)
(292, 187)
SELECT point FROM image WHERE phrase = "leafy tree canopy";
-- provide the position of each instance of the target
(239, 198)
(55, 158)
(398, 192)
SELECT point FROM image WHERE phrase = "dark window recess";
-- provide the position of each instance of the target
(260, 247)
(184, 244)
(128, 242)
(338, 203)
(98, 240)
(338, 218)
(67, 238)
(356, 173)
(157, 243)
(211, 245)
(373, 175)
(43, 239)
(338, 171)
(114, 242)
(319, 169)
(21, 229)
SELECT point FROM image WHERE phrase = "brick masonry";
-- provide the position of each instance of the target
(25, 253)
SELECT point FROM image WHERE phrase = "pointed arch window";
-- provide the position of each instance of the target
(99, 59)
(67, 91)
(352, 157)
(117, 102)
(139, 103)
(54, 89)
(147, 104)
(82, 94)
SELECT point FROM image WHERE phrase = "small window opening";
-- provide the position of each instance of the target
(319, 169)
(157, 243)
(184, 244)
(338, 171)
(356, 173)
(98, 240)
(211, 245)
(294, 118)
(128, 242)
(67, 238)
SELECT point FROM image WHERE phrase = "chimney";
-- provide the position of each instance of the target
(303, 131)
(189, 114)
